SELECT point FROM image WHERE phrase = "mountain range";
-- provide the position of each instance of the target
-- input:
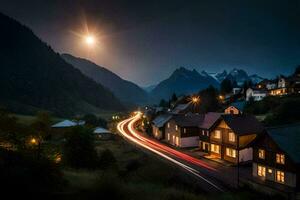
(238, 75)
(184, 81)
(128, 92)
(34, 77)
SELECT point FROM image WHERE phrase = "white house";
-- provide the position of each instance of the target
(256, 94)
(67, 123)
(102, 133)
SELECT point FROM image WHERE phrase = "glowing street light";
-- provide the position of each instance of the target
(195, 100)
(33, 141)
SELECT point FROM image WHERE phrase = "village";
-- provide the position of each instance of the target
(266, 157)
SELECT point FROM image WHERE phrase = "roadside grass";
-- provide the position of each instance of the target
(140, 176)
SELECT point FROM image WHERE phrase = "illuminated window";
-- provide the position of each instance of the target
(231, 137)
(261, 153)
(173, 139)
(280, 158)
(217, 134)
(184, 130)
(270, 171)
(168, 125)
(168, 136)
(261, 171)
(280, 176)
(176, 128)
(215, 148)
(231, 152)
(177, 141)
(202, 132)
(207, 133)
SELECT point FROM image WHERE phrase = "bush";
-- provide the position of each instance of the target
(94, 121)
(108, 160)
(25, 174)
(287, 112)
(79, 149)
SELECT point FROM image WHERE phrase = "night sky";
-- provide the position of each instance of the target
(144, 41)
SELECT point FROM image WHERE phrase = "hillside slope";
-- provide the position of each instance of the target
(126, 91)
(33, 77)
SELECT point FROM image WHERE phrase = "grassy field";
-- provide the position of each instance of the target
(28, 119)
(139, 176)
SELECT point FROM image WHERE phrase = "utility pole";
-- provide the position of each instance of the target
(238, 162)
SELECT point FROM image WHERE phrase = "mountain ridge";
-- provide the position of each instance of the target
(33, 77)
(182, 81)
(127, 91)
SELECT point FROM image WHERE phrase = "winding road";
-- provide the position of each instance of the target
(198, 168)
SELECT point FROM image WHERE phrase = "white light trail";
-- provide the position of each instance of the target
(142, 142)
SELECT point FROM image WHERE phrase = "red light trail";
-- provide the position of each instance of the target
(127, 129)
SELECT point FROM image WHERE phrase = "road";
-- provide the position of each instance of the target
(205, 173)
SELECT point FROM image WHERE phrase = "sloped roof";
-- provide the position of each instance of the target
(64, 124)
(160, 120)
(179, 108)
(100, 130)
(243, 124)
(288, 139)
(240, 105)
(189, 120)
(209, 120)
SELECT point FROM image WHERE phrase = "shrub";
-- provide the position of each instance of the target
(108, 160)
(79, 149)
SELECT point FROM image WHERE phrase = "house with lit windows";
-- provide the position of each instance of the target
(182, 130)
(232, 136)
(276, 157)
(205, 127)
(235, 108)
(159, 125)
(286, 86)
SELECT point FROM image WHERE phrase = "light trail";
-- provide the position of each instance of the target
(149, 145)
(166, 148)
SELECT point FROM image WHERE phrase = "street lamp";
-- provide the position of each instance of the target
(33, 141)
(195, 100)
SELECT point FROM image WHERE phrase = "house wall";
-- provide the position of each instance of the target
(232, 110)
(290, 179)
(245, 154)
(157, 132)
(290, 169)
(246, 139)
(183, 136)
(189, 141)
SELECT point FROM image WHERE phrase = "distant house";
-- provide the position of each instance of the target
(236, 108)
(231, 137)
(182, 109)
(267, 84)
(67, 124)
(256, 94)
(183, 131)
(102, 133)
(158, 125)
(60, 128)
(286, 86)
(276, 157)
(205, 127)
(237, 90)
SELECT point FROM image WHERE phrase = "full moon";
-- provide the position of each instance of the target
(90, 40)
